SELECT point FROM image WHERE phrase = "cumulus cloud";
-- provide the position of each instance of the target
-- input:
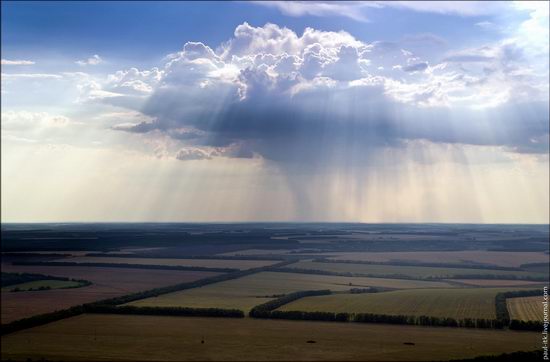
(320, 97)
(17, 62)
(93, 60)
(192, 154)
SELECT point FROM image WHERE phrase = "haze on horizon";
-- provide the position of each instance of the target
(272, 111)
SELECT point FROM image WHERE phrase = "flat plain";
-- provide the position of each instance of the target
(106, 283)
(525, 308)
(209, 263)
(246, 292)
(47, 283)
(498, 283)
(410, 271)
(153, 338)
(455, 303)
(165, 338)
(484, 257)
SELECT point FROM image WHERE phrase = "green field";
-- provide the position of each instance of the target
(525, 308)
(246, 292)
(411, 271)
(154, 338)
(456, 303)
(48, 283)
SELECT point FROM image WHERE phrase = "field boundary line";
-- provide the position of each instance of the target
(45, 318)
(127, 265)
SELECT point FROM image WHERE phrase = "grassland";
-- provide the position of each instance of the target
(525, 308)
(48, 284)
(209, 263)
(456, 303)
(410, 271)
(244, 293)
(153, 338)
(106, 283)
(500, 258)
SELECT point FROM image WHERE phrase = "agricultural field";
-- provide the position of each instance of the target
(497, 283)
(411, 290)
(155, 338)
(409, 271)
(249, 252)
(525, 308)
(484, 257)
(209, 263)
(456, 303)
(106, 283)
(246, 292)
(47, 284)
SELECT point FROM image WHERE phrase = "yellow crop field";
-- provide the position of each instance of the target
(525, 308)
(455, 303)
(156, 338)
(246, 292)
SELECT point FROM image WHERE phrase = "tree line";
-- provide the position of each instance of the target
(76, 310)
(128, 265)
(9, 279)
(420, 264)
(164, 255)
(164, 311)
(264, 310)
(384, 318)
(504, 316)
(269, 310)
(346, 274)
(408, 277)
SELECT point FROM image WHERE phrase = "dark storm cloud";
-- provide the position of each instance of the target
(314, 99)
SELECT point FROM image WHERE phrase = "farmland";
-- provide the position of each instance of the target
(44, 284)
(246, 292)
(208, 263)
(454, 278)
(525, 308)
(409, 271)
(106, 283)
(497, 283)
(456, 303)
(483, 257)
(112, 337)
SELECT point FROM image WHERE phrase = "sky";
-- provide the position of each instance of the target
(275, 111)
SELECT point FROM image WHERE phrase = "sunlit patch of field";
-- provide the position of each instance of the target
(410, 271)
(157, 338)
(246, 292)
(525, 308)
(209, 263)
(457, 303)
